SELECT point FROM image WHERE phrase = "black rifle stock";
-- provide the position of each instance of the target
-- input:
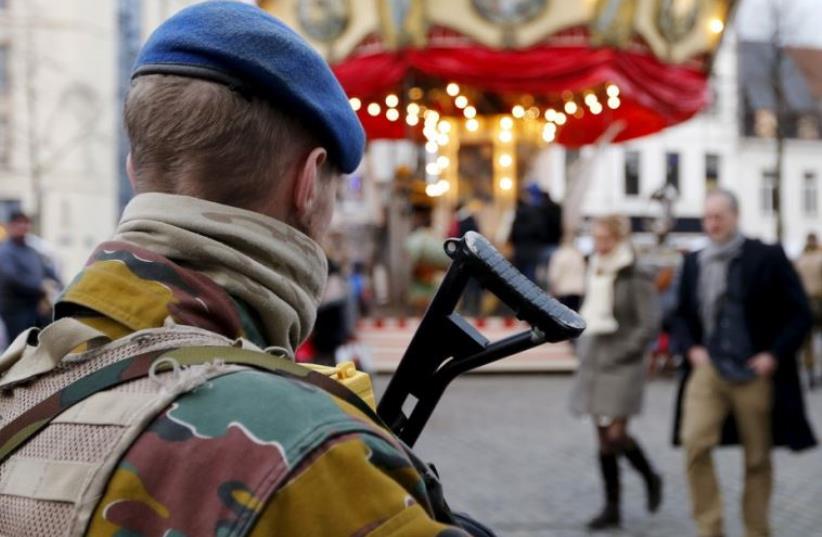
(446, 345)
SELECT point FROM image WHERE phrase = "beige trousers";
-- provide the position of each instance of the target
(708, 400)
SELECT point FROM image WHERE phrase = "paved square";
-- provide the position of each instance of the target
(510, 453)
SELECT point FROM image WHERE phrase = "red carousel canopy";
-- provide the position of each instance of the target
(644, 63)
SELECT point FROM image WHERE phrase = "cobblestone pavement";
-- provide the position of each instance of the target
(509, 453)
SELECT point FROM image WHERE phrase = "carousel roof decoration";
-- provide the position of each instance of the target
(542, 70)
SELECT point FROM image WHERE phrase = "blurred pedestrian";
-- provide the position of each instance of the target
(566, 275)
(741, 317)
(427, 259)
(27, 280)
(464, 221)
(621, 311)
(536, 230)
(809, 267)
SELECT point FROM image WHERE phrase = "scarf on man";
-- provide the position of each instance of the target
(598, 307)
(204, 264)
(714, 261)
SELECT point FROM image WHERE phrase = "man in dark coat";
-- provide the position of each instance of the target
(742, 316)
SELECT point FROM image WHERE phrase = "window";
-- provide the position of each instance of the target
(810, 194)
(672, 170)
(711, 171)
(631, 170)
(766, 192)
(4, 67)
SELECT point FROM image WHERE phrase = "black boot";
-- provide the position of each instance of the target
(609, 517)
(653, 481)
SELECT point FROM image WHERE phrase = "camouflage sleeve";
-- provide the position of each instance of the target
(357, 486)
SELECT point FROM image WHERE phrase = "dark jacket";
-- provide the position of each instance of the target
(778, 317)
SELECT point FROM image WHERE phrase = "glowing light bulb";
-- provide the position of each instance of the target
(392, 101)
(461, 102)
(612, 90)
(432, 147)
(505, 160)
(444, 126)
(590, 99)
(716, 25)
(614, 102)
(506, 183)
(506, 123)
(432, 169)
(550, 115)
(374, 109)
(415, 93)
(392, 114)
(443, 162)
(561, 119)
(431, 116)
(413, 109)
(472, 125)
(549, 134)
(596, 109)
(356, 104)
(443, 139)
(452, 89)
(470, 112)
(533, 112)
(518, 112)
(571, 108)
(506, 136)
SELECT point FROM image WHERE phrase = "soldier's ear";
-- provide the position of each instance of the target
(305, 186)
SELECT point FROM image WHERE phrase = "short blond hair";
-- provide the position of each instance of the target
(618, 226)
(198, 138)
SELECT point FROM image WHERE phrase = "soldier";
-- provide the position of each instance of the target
(154, 424)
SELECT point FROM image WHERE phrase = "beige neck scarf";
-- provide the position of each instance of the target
(274, 268)
(598, 308)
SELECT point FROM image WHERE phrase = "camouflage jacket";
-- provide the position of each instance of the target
(253, 454)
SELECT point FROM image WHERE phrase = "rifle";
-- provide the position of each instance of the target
(446, 345)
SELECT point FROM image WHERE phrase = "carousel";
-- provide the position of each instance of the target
(481, 87)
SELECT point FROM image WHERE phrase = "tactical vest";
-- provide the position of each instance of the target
(67, 419)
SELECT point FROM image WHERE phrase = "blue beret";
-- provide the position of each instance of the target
(247, 49)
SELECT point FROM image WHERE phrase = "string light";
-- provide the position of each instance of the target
(356, 104)
(392, 100)
(437, 189)
(596, 108)
(590, 99)
(415, 93)
(412, 121)
(612, 90)
(518, 112)
(470, 112)
(432, 147)
(374, 109)
(560, 119)
(444, 126)
(506, 183)
(716, 25)
(506, 136)
(472, 125)
(443, 162)
(613, 103)
(431, 116)
(550, 115)
(461, 102)
(549, 132)
(432, 169)
(533, 112)
(506, 123)
(505, 160)
(413, 109)
(570, 108)
(392, 114)
(452, 89)
(443, 139)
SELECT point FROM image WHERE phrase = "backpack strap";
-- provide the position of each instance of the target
(28, 424)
